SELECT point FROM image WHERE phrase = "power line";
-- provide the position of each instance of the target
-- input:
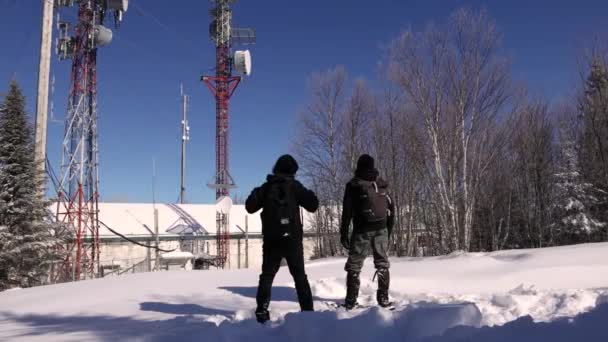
(164, 26)
(133, 241)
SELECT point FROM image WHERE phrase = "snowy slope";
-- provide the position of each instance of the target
(553, 294)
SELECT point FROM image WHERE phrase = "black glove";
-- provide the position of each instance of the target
(345, 241)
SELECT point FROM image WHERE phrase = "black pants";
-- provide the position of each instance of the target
(293, 251)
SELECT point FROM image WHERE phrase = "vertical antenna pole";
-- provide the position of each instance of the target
(185, 138)
(154, 182)
(156, 252)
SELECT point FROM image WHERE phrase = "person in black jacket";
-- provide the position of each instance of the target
(367, 233)
(280, 198)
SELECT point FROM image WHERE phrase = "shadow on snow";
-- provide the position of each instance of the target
(182, 309)
(279, 293)
(310, 326)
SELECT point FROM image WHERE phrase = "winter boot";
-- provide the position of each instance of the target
(352, 290)
(384, 279)
(261, 313)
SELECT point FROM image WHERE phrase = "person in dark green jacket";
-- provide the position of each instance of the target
(368, 205)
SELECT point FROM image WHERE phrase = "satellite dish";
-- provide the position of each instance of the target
(103, 35)
(223, 204)
(242, 62)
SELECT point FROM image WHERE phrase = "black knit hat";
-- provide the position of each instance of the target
(285, 165)
(365, 162)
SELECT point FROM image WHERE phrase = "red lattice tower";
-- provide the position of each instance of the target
(222, 87)
(78, 188)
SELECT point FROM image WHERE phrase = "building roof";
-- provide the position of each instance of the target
(137, 219)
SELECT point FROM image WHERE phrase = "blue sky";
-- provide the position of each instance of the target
(161, 44)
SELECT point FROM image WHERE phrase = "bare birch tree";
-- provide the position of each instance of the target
(356, 126)
(458, 84)
(317, 147)
(531, 159)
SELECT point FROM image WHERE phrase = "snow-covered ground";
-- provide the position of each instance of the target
(552, 294)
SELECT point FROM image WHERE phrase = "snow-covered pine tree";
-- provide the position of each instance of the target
(28, 240)
(576, 198)
(593, 108)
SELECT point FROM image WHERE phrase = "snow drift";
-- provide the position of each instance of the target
(552, 294)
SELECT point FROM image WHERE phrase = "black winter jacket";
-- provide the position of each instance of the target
(349, 210)
(306, 199)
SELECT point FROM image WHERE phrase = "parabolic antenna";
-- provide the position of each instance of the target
(103, 35)
(223, 205)
(242, 62)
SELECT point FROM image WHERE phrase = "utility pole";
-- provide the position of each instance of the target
(156, 251)
(185, 139)
(239, 253)
(246, 241)
(42, 100)
(149, 256)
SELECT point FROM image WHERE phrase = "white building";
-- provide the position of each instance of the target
(185, 227)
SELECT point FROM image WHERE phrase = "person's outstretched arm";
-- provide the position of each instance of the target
(255, 201)
(307, 199)
(347, 215)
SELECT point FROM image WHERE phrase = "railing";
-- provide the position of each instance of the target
(143, 266)
(118, 267)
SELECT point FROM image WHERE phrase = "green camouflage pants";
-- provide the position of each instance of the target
(360, 246)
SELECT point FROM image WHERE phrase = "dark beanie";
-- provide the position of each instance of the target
(286, 165)
(365, 162)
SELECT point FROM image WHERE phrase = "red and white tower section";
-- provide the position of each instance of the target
(222, 86)
(78, 188)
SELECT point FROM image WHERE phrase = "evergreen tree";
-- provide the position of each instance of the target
(576, 200)
(28, 240)
(594, 115)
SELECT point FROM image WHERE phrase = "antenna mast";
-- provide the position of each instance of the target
(185, 139)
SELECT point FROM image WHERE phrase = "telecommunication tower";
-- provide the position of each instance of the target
(222, 87)
(78, 189)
